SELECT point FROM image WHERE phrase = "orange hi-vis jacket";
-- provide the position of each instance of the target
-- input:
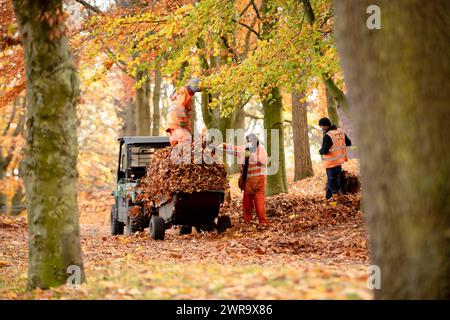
(180, 111)
(338, 152)
(257, 167)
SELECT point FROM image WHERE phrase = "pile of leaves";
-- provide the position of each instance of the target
(306, 212)
(350, 182)
(305, 225)
(166, 175)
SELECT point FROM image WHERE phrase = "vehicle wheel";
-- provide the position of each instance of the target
(116, 226)
(223, 223)
(136, 223)
(157, 228)
(185, 230)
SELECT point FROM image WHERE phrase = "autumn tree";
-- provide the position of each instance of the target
(397, 79)
(51, 154)
(11, 136)
(330, 84)
(302, 154)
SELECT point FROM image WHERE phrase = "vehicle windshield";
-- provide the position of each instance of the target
(140, 156)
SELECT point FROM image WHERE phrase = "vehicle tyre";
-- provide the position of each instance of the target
(136, 223)
(157, 228)
(223, 223)
(116, 226)
(185, 230)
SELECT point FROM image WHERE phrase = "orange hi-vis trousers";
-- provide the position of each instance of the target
(254, 201)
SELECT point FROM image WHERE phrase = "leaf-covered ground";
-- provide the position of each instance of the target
(311, 250)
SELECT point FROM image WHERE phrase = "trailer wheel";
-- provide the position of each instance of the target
(136, 223)
(116, 226)
(157, 228)
(185, 229)
(223, 223)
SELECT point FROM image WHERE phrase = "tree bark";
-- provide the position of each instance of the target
(302, 154)
(332, 110)
(156, 100)
(129, 127)
(398, 89)
(143, 118)
(51, 155)
(273, 119)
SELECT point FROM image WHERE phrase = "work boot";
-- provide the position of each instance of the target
(333, 201)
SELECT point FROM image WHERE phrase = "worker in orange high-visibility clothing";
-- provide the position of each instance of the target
(179, 113)
(334, 154)
(253, 177)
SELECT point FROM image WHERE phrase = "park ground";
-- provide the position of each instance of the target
(311, 250)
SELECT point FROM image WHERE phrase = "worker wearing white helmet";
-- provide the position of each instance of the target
(179, 125)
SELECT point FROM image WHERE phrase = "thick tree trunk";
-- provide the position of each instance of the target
(143, 118)
(399, 93)
(302, 154)
(332, 110)
(51, 154)
(156, 101)
(273, 119)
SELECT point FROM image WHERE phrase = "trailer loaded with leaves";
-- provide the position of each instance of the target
(156, 191)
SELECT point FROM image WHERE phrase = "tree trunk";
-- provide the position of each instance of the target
(302, 154)
(399, 92)
(129, 127)
(273, 119)
(51, 155)
(332, 110)
(338, 94)
(3, 198)
(213, 118)
(143, 118)
(156, 100)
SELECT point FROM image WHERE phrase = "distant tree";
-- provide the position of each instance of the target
(302, 154)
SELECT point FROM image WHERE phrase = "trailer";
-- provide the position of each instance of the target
(198, 209)
(187, 210)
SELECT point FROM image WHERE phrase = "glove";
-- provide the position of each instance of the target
(183, 124)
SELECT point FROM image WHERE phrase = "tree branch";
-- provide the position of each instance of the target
(256, 10)
(89, 6)
(230, 50)
(247, 27)
(245, 9)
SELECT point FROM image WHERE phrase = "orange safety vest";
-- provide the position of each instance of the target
(180, 111)
(257, 165)
(338, 151)
(256, 172)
